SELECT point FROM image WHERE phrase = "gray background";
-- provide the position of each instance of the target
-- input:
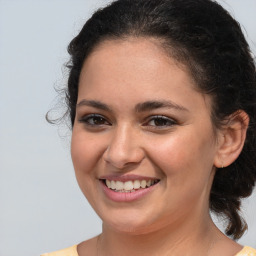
(41, 207)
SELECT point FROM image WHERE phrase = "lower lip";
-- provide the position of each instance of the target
(126, 196)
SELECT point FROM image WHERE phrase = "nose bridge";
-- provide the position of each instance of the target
(124, 147)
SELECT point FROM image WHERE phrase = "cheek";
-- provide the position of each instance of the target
(84, 153)
(85, 157)
(184, 156)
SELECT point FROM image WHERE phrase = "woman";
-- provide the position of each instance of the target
(161, 97)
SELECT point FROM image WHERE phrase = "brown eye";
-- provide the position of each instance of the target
(94, 120)
(161, 121)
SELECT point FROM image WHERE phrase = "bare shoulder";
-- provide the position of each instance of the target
(88, 247)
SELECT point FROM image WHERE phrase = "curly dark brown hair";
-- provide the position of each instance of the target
(203, 36)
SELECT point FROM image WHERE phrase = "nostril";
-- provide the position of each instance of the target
(122, 160)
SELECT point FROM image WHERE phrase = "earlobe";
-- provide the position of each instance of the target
(231, 139)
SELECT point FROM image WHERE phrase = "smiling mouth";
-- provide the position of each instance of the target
(130, 185)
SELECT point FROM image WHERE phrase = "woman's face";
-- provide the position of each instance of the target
(143, 145)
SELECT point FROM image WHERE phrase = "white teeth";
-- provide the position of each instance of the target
(143, 184)
(113, 184)
(136, 184)
(128, 186)
(108, 183)
(119, 185)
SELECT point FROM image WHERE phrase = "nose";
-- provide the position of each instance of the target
(124, 148)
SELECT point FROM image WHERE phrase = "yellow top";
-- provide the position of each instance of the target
(72, 251)
(246, 251)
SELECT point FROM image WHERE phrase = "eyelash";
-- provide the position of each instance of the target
(168, 122)
(92, 119)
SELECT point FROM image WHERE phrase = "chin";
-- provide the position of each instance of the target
(130, 225)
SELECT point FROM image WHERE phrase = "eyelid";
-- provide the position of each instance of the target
(84, 119)
(166, 118)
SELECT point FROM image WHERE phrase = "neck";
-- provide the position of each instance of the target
(187, 238)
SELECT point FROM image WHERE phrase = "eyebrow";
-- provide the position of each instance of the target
(140, 107)
(94, 104)
(155, 104)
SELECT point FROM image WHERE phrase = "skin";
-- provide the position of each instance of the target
(180, 150)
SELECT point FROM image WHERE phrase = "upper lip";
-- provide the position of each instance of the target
(127, 177)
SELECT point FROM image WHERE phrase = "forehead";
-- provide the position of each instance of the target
(132, 54)
(138, 48)
(133, 67)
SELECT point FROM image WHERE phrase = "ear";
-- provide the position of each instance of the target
(231, 138)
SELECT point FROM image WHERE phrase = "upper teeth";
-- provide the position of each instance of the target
(129, 185)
